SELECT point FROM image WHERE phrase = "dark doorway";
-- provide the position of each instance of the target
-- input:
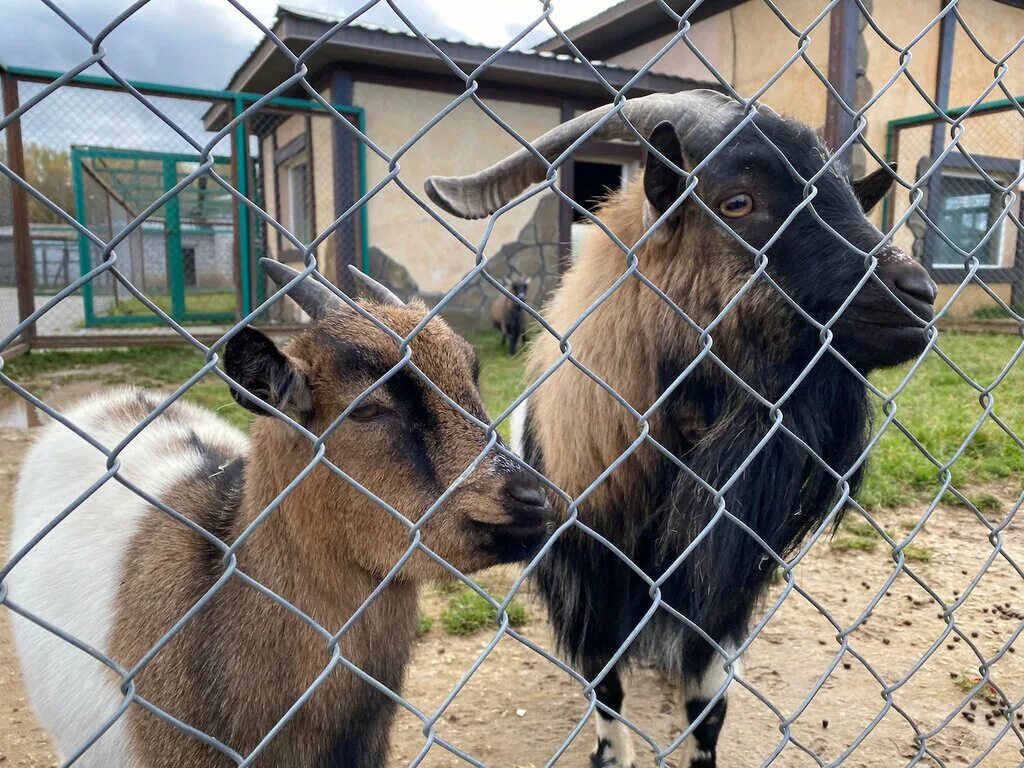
(188, 263)
(592, 182)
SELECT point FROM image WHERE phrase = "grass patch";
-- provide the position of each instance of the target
(917, 554)
(861, 528)
(854, 544)
(424, 624)
(467, 613)
(940, 409)
(199, 303)
(163, 368)
(964, 683)
(501, 376)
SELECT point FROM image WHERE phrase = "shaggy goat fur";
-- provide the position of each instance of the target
(728, 477)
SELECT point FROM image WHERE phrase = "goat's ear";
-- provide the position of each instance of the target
(252, 360)
(872, 188)
(661, 183)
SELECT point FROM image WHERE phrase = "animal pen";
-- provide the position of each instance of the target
(890, 636)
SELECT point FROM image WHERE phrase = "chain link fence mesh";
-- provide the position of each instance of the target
(178, 180)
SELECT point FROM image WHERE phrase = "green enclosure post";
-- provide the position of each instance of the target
(172, 228)
(242, 185)
(84, 253)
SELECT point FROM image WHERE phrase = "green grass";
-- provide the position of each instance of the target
(501, 376)
(940, 409)
(854, 544)
(159, 368)
(468, 612)
(916, 554)
(196, 302)
(424, 624)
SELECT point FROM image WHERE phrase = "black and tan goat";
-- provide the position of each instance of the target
(650, 507)
(118, 573)
(507, 315)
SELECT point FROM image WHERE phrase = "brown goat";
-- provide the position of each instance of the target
(126, 572)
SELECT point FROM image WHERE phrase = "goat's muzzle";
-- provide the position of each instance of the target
(527, 521)
(887, 322)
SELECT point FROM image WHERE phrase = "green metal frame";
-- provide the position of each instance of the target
(930, 117)
(237, 101)
(172, 227)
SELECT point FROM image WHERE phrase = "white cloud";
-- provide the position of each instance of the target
(202, 42)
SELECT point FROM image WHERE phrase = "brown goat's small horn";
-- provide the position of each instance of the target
(374, 289)
(315, 299)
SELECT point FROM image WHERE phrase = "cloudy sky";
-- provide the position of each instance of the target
(201, 42)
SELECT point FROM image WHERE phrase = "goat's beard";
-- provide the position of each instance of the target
(782, 494)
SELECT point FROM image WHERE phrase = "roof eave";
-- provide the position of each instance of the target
(630, 24)
(262, 70)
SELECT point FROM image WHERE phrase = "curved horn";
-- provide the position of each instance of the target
(374, 289)
(315, 299)
(481, 194)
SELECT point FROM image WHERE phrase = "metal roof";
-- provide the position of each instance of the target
(632, 23)
(370, 46)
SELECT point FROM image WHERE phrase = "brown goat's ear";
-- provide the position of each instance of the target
(252, 360)
(661, 183)
(872, 188)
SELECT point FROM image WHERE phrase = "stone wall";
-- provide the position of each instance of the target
(534, 254)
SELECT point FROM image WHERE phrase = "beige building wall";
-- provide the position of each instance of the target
(320, 163)
(748, 45)
(466, 140)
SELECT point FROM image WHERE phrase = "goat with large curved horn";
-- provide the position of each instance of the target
(482, 193)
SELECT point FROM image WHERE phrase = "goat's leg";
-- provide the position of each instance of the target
(700, 750)
(614, 741)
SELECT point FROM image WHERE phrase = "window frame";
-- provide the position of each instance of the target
(994, 166)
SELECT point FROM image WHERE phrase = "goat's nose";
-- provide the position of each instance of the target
(525, 489)
(913, 280)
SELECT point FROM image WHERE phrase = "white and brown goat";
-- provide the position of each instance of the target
(117, 573)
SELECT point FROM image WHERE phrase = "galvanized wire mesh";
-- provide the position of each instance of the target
(977, 226)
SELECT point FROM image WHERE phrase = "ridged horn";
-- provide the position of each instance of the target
(482, 193)
(374, 289)
(315, 299)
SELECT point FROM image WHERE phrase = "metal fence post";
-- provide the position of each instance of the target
(842, 74)
(24, 266)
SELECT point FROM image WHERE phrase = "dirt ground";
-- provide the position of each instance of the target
(518, 708)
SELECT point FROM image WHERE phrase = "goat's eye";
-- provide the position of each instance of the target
(736, 206)
(366, 411)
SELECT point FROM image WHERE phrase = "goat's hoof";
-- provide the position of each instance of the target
(605, 757)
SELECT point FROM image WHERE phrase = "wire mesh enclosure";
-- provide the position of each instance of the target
(749, 497)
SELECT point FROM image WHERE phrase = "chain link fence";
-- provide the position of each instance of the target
(904, 656)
